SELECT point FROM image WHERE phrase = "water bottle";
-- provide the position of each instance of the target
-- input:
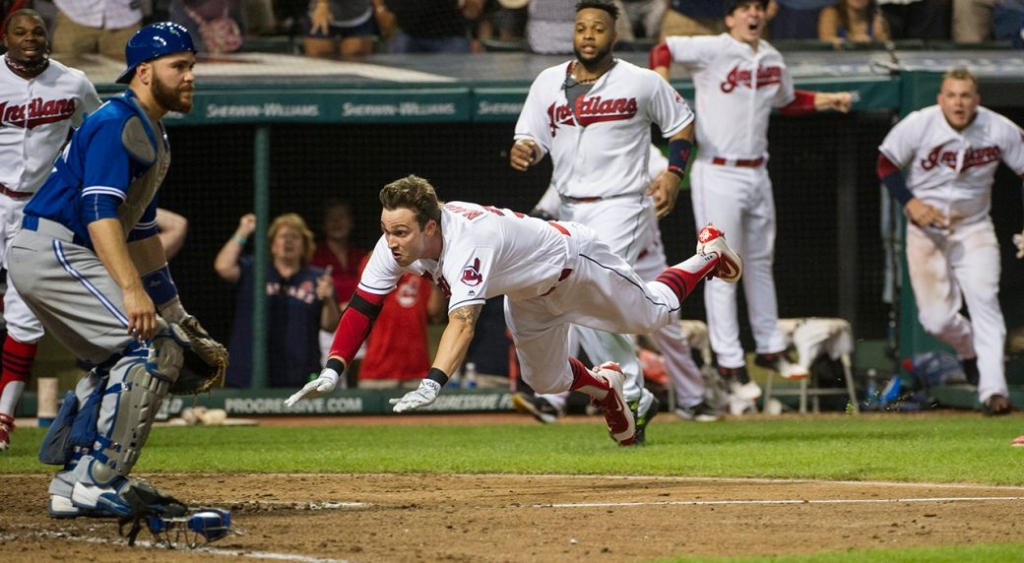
(453, 380)
(871, 389)
(469, 376)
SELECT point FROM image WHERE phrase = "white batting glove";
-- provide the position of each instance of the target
(326, 383)
(421, 397)
(1018, 239)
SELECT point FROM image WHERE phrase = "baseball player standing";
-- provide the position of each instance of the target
(950, 153)
(89, 263)
(738, 79)
(552, 274)
(593, 115)
(40, 101)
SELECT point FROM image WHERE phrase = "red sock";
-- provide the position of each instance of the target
(684, 277)
(583, 380)
(17, 361)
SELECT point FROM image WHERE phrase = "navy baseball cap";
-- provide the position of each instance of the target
(152, 42)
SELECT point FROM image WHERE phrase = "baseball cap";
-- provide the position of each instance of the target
(152, 42)
(731, 5)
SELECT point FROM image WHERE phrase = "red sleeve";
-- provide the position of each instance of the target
(355, 324)
(802, 104)
(885, 166)
(659, 56)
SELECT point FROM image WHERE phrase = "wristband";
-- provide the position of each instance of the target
(437, 376)
(678, 156)
(160, 286)
(335, 364)
(239, 239)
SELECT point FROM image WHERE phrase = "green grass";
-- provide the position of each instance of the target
(960, 448)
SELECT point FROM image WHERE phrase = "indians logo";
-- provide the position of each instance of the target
(973, 157)
(766, 76)
(471, 275)
(591, 110)
(37, 112)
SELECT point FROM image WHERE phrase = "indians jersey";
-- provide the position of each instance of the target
(599, 146)
(486, 252)
(35, 118)
(953, 170)
(737, 88)
(118, 151)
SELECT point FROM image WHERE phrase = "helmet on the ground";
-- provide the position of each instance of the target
(154, 41)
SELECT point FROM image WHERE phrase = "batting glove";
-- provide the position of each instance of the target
(326, 383)
(1018, 239)
(421, 397)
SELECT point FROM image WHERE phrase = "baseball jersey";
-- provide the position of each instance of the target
(954, 170)
(486, 252)
(293, 310)
(397, 345)
(599, 147)
(117, 151)
(737, 87)
(35, 117)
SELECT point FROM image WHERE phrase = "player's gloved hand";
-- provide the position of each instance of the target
(421, 397)
(1018, 239)
(326, 383)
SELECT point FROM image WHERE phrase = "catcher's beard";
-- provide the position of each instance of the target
(169, 97)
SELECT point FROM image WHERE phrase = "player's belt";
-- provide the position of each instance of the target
(13, 194)
(740, 162)
(581, 199)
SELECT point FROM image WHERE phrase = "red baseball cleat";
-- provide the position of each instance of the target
(617, 415)
(712, 241)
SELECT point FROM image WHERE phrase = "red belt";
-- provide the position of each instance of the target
(13, 194)
(741, 162)
(582, 199)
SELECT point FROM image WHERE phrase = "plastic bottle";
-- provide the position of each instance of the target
(469, 376)
(871, 388)
(454, 380)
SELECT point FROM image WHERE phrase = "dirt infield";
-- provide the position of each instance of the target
(499, 518)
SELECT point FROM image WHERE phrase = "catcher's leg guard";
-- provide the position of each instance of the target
(135, 388)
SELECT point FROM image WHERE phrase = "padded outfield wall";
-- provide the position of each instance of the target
(277, 144)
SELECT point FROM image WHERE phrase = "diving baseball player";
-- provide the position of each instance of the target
(552, 274)
(89, 263)
(739, 79)
(593, 115)
(40, 101)
(687, 380)
(949, 154)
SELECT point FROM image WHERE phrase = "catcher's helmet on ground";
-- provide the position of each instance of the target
(154, 41)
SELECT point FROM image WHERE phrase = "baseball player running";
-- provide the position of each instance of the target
(40, 101)
(738, 79)
(950, 152)
(593, 114)
(89, 263)
(552, 274)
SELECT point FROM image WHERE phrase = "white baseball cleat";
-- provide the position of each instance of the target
(782, 365)
(616, 412)
(712, 241)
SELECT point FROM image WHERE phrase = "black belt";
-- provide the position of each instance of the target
(13, 194)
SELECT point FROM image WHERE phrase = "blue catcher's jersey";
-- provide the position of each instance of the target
(116, 152)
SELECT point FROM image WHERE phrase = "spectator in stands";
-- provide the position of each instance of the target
(300, 302)
(975, 21)
(345, 28)
(432, 26)
(797, 19)
(640, 19)
(339, 255)
(95, 26)
(853, 21)
(397, 350)
(217, 24)
(549, 25)
(509, 19)
(694, 17)
(917, 19)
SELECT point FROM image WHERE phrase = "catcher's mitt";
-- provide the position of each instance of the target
(206, 361)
